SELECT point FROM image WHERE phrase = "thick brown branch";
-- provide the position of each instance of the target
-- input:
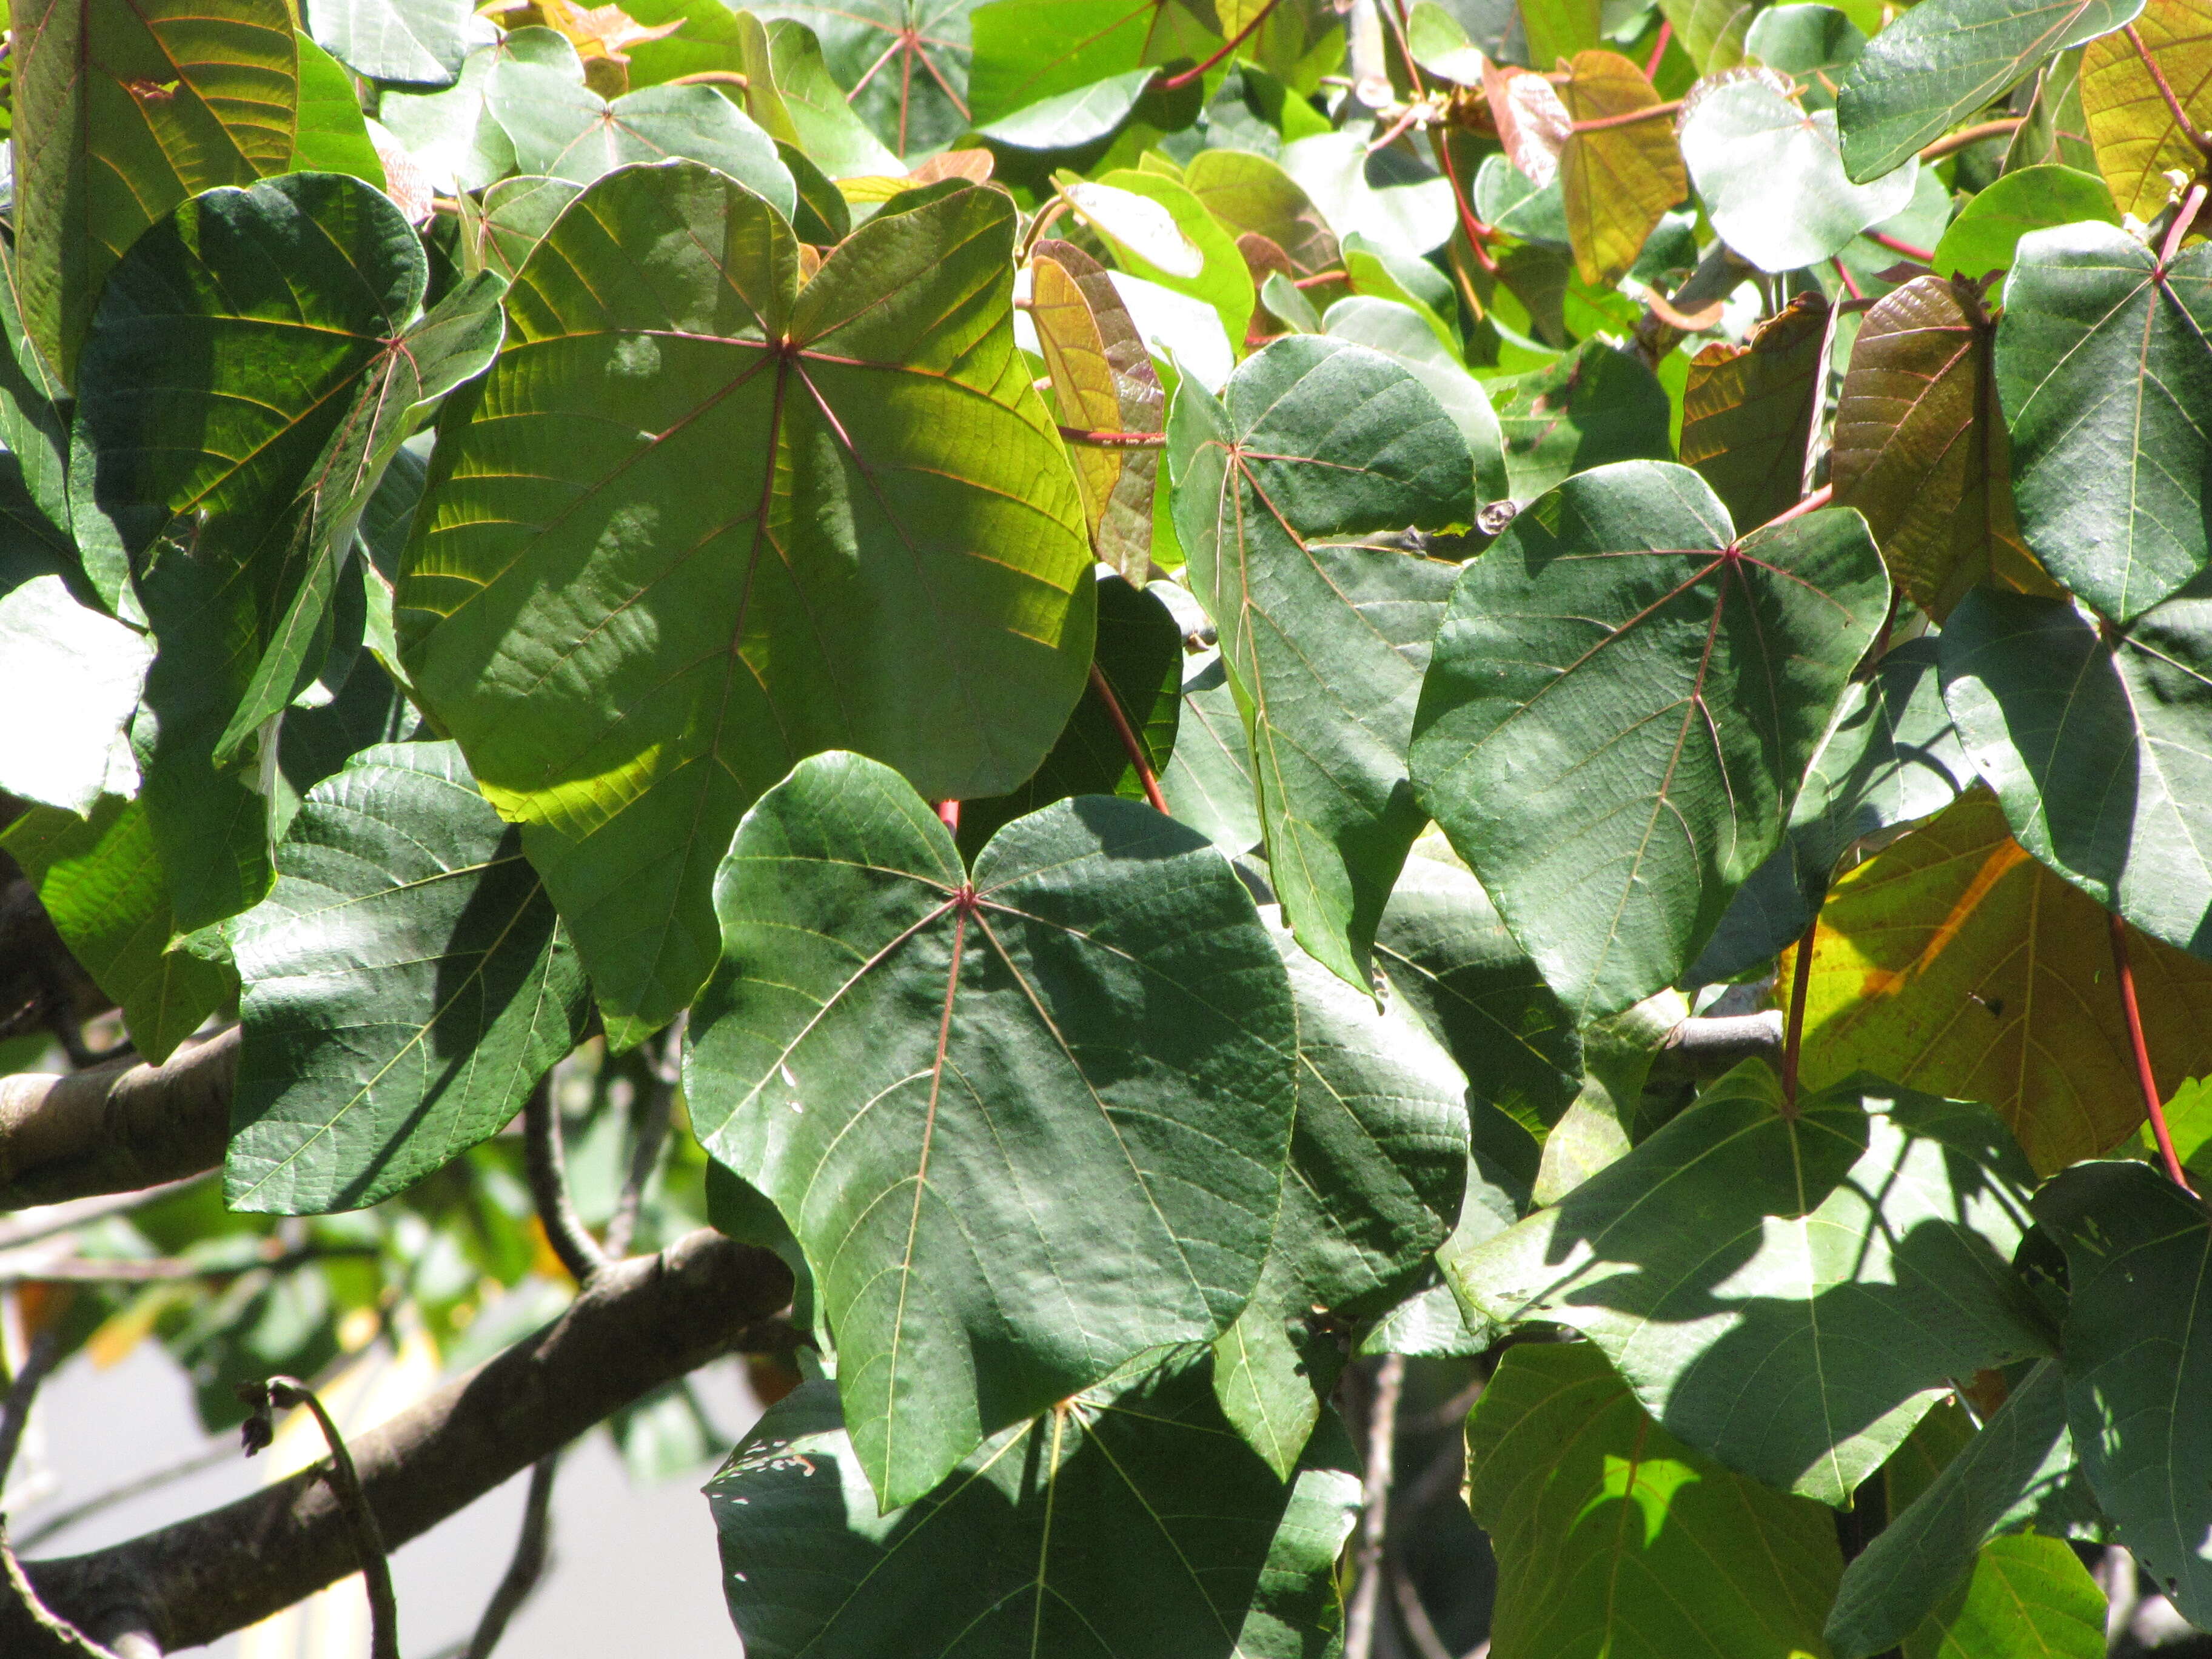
(115, 1128)
(639, 1324)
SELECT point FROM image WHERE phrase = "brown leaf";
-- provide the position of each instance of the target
(1747, 413)
(1619, 181)
(1102, 380)
(973, 165)
(1920, 448)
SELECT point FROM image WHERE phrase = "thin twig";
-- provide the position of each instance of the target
(1419, 1624)
(1793, 1033)
(1951, 141)
(2173, 107)
(2144, 1079)
(44, 1222)
(578, 1250)
(652, 1136)
(45, 1351)
(1883, 238)
(1381, 1437)
(1843, 275)
(286, 1392)
(1189, 76)
(1130, 745)
(220, 1451)
(713, 78)
(527, 1565)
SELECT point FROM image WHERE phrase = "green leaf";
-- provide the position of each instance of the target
(1623, 700)
(333, 134)
(1447, 956)
(1920, 450)
(1271, 1374)
(1386, 197)
(793, 98)
(904, 64)
(1295, 1611)
(1974, 971)
(1712, 32)
(136, 109)
(1747, 411)
(869, 541)
(2096, 741)
(1596, 405)
(34, 509)
(566, 131)
(1140, 655)
(1772, 176)
(1317, 443)
(2029, 1598)
(1071, 120)
(1076, 1074)
(233, 488)
(1164, 253)
(1401, 333)
(454, 133)
(1031, 51)
(2137, 1348)
(101, 882)
(512, 216)
(82, 671)
(2104, 371)
(1988, 229)
(406, 986)
(1853, 1258)
(1249, 195)
(1509, 199)
(2018, 1470)
(1439, 43)
(1208, 783)
(411, 42)
(1942, 61)
(1891, 759)
(1034, 1547)
(1600, 1519)
(1815, 45)
(1559, 28)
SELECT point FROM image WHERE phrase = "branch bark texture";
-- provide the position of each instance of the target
(115, 1128)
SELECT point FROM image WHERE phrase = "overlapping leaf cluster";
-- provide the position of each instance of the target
(1172, 633)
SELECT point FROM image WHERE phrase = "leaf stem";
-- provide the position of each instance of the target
(1130, 746)
(713, 78)
(1097, 437)
(1813, 503)
(369, 1538)
(1658, 50)
(2144, 1079)
(1175, 81)
(1951, 141)
(1626, 117)
(1793, 1033)
(1882, 239)
(948, 814)
(2202, 141)
(1850, 284)
(2182, 219)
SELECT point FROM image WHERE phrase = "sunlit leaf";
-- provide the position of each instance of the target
(83, 672)
(904, 64)
(1596, 405)
(1749, 411)
(1988, 229)
(1619, 181)
(2130, 125)
(413, 42)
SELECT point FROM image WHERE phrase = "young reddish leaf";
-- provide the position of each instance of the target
(1747, 413)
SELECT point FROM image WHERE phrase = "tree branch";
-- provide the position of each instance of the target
(565, 1231)
(638, 1325)
(115, 1128)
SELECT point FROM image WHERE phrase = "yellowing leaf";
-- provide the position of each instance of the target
(2133, 132)
(1620, 180)
(1957, 964)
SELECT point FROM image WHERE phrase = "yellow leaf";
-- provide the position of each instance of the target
(1620, 180)
(2130, 128)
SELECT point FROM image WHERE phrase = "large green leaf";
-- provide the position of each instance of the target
(2138, 1360)
(82, 671)
(1316, 444)
(791, 93)
(454, 133)
(1772, 176)
(2105, 373)
(333, 134)
(1987, 232)
(1941, 61)
(2098, 744)
(406, 986)
(253, 360)
(1852, 1257)
(1130, 1521)
(413, 42)
(1890, 760)
(1028, 50)
(904, 64)
(1402, 334)
(1603, 1523)
(133, 108)
(1623, 701)
(101, 882)
(1074, 1071)
(669, 555)
(1297, 1612)
(2018, 1471)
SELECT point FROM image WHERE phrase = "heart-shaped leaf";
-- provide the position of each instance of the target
(134, 108)
(1599, 1517)
(1852, 1255)
(1316, 444)
(2099, 744)
(1620, 179)
(783, 519)
(2105, 370)
(1074, 1068)
(413, 42)
(454, 133)
(1986, 233)
(406, 986)
(563, 130)
(1623, 700)
(2138, 1359)
(1941, 62)
(904, 64)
